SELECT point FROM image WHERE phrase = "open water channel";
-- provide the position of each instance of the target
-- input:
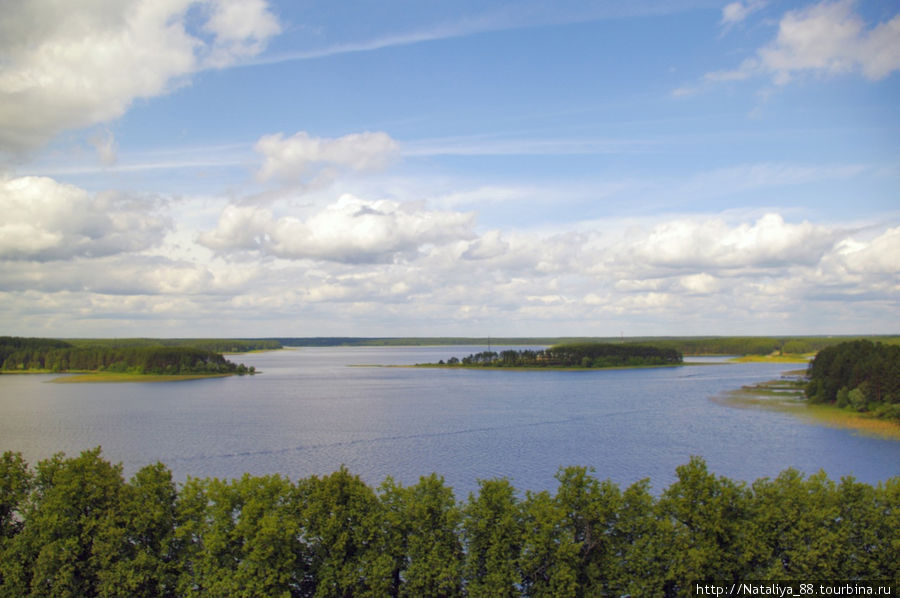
(314, 409)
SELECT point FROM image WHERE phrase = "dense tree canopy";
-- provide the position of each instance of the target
(859, 375)
(573, 355)
(74, 527)
(140, 358)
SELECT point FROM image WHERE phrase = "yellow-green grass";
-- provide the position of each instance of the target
(776, 396)
(122, 377)
(786, 358)
(539, 368)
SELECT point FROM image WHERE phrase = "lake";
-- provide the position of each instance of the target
(313, 409)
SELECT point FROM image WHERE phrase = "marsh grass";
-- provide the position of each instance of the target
(786, 395)
(104, 377)
(785, 358)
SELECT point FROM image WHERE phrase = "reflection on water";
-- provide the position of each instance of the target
(309, 412)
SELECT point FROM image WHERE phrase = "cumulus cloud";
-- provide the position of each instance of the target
(47, 220)
(714, 243)
(878, 256)
(830, 38)
(296, 157)
(66, 69)
(825, 39)
(241, 29)
(350, 230)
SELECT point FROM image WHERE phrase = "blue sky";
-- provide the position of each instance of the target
(254, 168)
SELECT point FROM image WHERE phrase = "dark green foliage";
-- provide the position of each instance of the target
(135, 551)
(113, 356)
(343, 524)
(493, 534)
(704, 517)
(422, 532)
(574, 355)
(54, 553)
(858, 375)
(73, 527)
(218, 345)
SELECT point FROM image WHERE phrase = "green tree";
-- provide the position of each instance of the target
(15, 483)
(16, 480)
(887, 530)
(53, 555)
(492, 529)
(708, 516)
(794, 527)
(135, 548)
(242, 538)
(645, 543)
(343, 525)
(422, 527)
(549, 559)
(591, 511)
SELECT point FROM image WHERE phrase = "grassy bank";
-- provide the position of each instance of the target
(538, 368)
(786, 358)
(102, 377)
(786, 395)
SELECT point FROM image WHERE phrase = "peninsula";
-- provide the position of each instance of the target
(116, 360)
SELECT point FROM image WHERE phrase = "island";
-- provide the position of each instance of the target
(586, 355)
(118, 360)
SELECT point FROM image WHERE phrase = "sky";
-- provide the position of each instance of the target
(258, 168)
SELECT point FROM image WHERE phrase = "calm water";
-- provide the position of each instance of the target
(309, 412)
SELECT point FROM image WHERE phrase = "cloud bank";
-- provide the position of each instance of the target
(73, 258)
(68, 69)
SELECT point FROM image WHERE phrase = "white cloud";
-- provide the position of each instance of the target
(736, 12)
(824, 39)
(350, 230)
(241, 29)
(73, 67)
(47, 220)
(408, 267)
(714, 243)
(830, 38)
(701, 284)
(489, 245)
(878, 256)
(295, 157)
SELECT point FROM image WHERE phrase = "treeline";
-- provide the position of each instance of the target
(54, 355)
(859, 375)
(74, 527)
(572, 355)
(717, 345)
(756, 345)
(218, 345)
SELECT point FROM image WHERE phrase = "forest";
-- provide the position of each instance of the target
(22, 354)
(75, 527)
(571, 355)
(219, 345)
(692, 345)
(858, 375)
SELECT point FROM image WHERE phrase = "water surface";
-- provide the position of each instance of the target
(310, 412)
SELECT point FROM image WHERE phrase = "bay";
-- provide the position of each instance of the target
(315, 409)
